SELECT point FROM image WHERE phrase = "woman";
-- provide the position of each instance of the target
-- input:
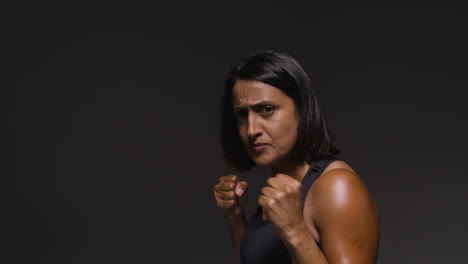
(314, 208)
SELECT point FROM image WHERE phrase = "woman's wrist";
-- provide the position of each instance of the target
(235, 219)
(297, 235)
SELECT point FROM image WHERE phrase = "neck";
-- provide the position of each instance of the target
(291, 168)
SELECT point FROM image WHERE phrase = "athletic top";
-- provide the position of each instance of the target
(260, 244)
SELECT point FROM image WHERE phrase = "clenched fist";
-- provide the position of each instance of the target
(231, 195)
(281, 201)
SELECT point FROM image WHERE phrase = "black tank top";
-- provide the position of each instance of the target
(260, 244)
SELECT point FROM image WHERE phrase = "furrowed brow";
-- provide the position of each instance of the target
(262, 103)
(257, 105)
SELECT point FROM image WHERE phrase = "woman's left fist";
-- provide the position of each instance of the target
(281, 201)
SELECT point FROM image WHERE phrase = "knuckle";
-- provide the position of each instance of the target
(260, 200)
(229, 195)
(270, 181)
(271, 202)
(281, 176)
(298, 185)
(280, 195)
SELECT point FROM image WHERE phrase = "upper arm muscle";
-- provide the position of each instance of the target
(346, 218)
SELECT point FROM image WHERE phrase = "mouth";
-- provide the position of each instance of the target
(259, 147)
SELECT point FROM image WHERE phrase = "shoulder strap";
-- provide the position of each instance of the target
(313, 173)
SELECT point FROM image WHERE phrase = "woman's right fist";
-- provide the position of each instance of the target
(231, 195)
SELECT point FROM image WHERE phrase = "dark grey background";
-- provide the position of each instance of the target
(111, 119)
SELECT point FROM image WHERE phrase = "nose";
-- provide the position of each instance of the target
(254, 126)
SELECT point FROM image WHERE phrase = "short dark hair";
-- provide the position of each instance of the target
(314, 140)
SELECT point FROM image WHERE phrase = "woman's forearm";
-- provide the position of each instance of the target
(237, 226)
(302, 247)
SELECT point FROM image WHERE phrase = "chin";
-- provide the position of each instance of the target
(262, 162)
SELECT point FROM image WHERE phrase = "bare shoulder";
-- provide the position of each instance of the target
(340, 188)
(338, 165)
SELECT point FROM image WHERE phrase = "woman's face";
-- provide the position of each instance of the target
(266, 120)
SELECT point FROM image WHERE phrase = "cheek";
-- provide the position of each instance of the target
(287, 126)
(289, 133)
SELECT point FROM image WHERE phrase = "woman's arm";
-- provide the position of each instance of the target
(302, 247)
(237, 226)
(343, 213)
(345, 217)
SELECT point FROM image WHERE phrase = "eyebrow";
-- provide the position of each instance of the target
(236, 108)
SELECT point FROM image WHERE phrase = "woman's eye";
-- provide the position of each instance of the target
(267, 109)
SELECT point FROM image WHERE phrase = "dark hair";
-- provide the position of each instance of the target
(313, 141)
